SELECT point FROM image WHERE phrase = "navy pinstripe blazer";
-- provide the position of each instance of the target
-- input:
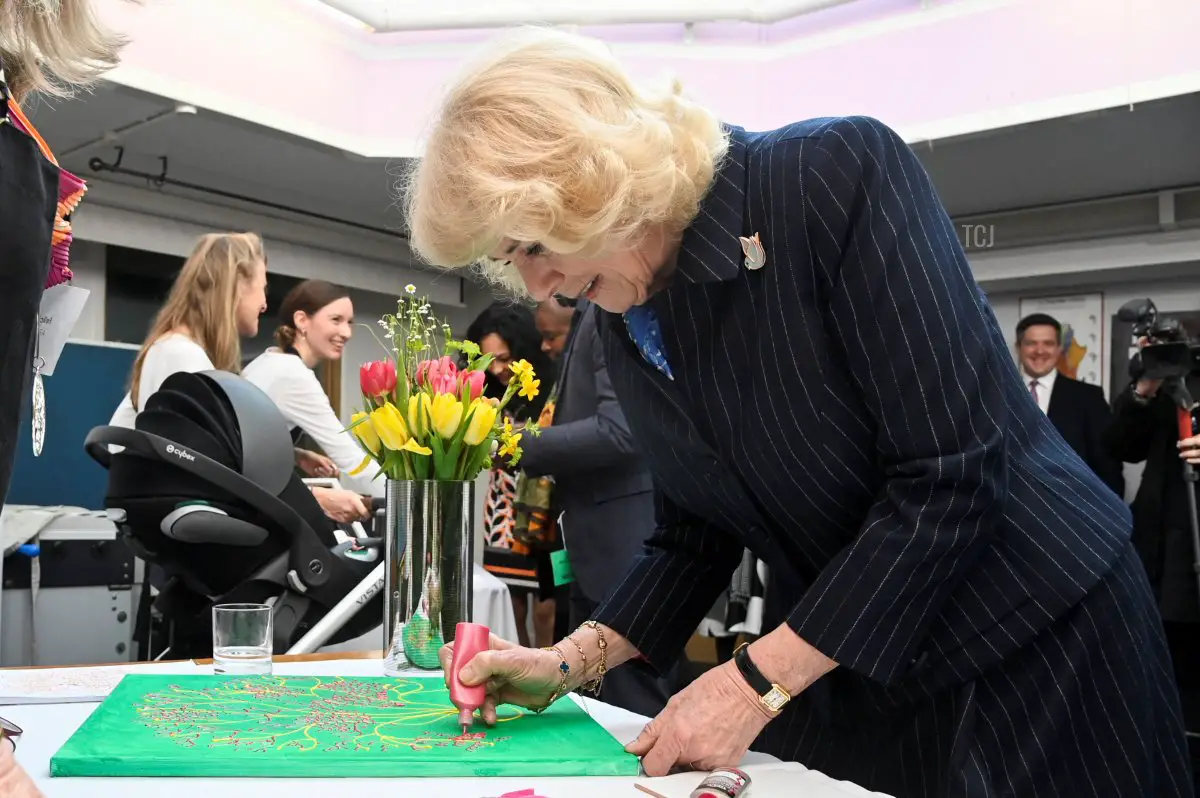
(851, 413)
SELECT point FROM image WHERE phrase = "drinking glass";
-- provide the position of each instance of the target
(242, 638)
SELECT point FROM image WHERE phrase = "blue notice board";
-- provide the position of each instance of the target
(88, 383)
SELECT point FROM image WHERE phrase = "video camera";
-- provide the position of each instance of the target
(1169, 352)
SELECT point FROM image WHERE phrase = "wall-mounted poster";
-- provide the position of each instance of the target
(1123, 346)
(1082, 320)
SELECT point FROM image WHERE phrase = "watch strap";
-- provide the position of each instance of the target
(750, 672)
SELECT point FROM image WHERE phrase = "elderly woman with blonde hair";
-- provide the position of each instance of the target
(794, 333)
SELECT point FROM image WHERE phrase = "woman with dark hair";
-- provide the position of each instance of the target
(508, 333)
(316, 319)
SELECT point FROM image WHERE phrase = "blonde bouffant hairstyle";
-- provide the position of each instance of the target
(548, 140)
(204, 300)
(54, 46)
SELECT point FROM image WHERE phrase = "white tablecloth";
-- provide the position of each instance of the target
(48, 726)
(492, 608)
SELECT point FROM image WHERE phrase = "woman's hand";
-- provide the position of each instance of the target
(343, 506)
(315, 465)
(709, 724)
(1189, 450)
(526, 677)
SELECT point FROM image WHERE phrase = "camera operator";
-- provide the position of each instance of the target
(1145, 428)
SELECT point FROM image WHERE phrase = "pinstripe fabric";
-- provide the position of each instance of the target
(851, 414)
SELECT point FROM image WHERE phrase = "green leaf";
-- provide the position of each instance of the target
(439, 456)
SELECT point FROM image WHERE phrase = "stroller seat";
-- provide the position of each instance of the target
(205, 489)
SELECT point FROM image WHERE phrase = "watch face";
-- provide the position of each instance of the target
(775, 700)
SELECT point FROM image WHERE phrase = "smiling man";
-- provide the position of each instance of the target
(1078, 410)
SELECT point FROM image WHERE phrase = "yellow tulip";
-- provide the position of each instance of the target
(445, 414)
(418, 422)
(363, 430)
(412, 446)
(483, 419)
(390, 427)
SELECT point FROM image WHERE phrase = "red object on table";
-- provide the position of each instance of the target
(469, 640)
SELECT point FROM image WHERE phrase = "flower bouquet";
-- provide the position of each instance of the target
(430, 429)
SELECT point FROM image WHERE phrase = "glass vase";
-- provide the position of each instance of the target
(429, 529)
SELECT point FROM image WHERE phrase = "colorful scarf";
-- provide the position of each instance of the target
(70, 191)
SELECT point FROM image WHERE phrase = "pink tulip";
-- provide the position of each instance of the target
(377, 378)
(473, 379)
(444, 383)
(431, 372)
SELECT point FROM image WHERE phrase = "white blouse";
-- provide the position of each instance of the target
(170, 354)
(298, 394)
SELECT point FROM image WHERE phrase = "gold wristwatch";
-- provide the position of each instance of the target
(770, 695)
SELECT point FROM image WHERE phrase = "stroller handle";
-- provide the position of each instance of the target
(100, 438)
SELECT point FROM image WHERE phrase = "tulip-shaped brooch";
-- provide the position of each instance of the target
(756, 256)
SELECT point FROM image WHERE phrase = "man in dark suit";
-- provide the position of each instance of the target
(602, 488)
(1077, 410)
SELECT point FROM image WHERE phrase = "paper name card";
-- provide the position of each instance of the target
(60, 308)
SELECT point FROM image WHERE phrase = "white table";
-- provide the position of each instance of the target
(492, 607)
(48, 726)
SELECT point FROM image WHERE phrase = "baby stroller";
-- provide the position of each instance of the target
(205, 490)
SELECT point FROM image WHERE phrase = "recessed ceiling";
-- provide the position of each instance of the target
(386, 16)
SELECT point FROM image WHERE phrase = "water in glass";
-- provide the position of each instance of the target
(242, 660)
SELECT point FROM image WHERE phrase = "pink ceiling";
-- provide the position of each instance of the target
(954, 67)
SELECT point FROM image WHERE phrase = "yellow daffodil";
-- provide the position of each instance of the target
(389, 426)
(361, 467)
(445, 414)
(521, 369)
(411, 445)
(418, 422)
(483, 419)
(361, 423)
(529, 387)
(508, 446)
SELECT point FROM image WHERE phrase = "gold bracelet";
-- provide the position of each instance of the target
(583, 656)
(564, 670)
(602, 667)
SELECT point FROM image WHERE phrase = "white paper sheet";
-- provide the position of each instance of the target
(76, 685)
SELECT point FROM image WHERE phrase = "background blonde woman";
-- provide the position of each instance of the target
(802, 353)
(54, 46)
(215, 300)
